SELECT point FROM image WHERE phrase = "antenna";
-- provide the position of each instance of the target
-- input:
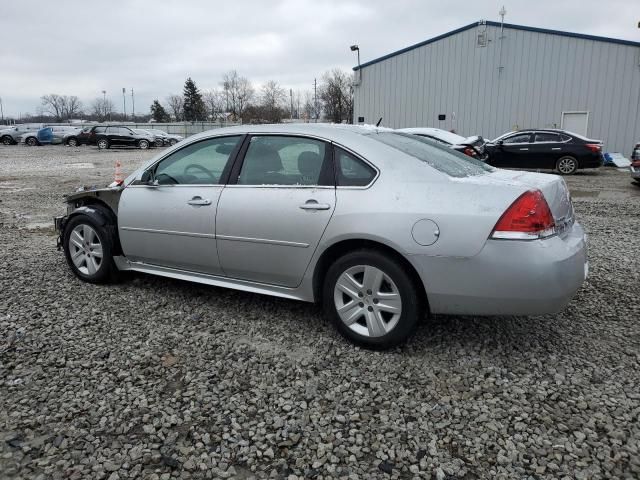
(502, 13)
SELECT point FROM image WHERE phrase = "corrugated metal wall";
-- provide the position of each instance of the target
(542, 75)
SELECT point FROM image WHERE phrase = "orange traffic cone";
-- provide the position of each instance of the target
(118, 177)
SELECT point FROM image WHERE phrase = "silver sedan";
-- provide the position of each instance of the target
(377, 225)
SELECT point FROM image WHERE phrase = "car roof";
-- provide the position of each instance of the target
(444, 135)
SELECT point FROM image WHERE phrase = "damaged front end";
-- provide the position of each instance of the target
(99, 203)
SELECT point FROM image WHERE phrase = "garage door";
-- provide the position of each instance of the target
(576, 122)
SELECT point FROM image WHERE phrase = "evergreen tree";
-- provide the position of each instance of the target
(158, 113)
(194, 108)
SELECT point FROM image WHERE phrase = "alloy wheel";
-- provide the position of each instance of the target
(102, 144)
(85, 249)
(567, 165)
(72, 142)
(367, 301)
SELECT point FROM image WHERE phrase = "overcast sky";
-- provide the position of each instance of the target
(83, 47)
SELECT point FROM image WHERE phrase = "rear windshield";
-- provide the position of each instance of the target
(443, 159)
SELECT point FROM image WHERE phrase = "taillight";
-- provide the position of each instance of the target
(469, 151)
(594, 147)
(528, 218)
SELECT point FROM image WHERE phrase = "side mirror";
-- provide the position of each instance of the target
(499, 142)
(148, 180)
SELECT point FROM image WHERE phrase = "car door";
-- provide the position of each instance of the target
(514, 151)
(273, 212)
(171, 221)
(547, 148)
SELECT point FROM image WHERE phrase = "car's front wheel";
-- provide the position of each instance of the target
(88, 248)
(143, 144)
(31, 141)
(371, 299)
(159, 142)
(567, 165)
(103, 144)
(7, 140)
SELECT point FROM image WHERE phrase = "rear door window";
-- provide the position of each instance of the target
(544, 137)
(351, 171)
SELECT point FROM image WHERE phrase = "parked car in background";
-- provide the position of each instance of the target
(53, 135)
(107, 136)
(11, 135)
(167, 138)
(635, 163)
(158, 140)
(324, 213)
(552, 149)
(470, 146)
(81, 137)
(635, 153)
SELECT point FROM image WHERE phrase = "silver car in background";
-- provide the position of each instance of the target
(377, 225)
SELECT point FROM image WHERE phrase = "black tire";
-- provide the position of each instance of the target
(411, 300)
(143, 144)
(31, 141)
(173, 141)
(103, 144)
(567, 165)
(107, 270)
(159, 143)
(72, 142)
(7, 140)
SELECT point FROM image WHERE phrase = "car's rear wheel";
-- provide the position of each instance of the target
(31, 141)
(103, 143)
(371, 299)
(143, 144)
(72, 142)
(567, 165)
(88, 248)
(7, 140)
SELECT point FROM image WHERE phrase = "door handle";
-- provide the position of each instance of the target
(524, 149)
(314, 205)
(558, 148)
(199, 201)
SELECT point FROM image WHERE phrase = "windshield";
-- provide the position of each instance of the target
(443, 159)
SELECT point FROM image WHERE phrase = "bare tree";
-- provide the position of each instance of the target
(238, 93)
(71, 106)
(102, 108)
(52, 105)
(336, 96)
(308, 107)
(272, 100)
(176, 106)
(60, 106)
(214, 101)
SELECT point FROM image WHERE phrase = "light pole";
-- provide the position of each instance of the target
(133, 106)
(1, 110)
(124, 103)
(356, 48)
(104, 104)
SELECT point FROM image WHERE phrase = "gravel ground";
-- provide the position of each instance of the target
(154, 378)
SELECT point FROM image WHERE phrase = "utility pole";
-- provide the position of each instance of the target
(133, 106)
(315, 100)
(104, 103)
(124, 103)
(291, 97)
(1, 110)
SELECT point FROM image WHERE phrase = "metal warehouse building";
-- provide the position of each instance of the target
(488, 78)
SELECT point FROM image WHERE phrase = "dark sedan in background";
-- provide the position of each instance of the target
(559, 150)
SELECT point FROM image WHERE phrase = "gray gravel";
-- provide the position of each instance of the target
(154, 378)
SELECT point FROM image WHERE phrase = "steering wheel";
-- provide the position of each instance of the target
(202, 169)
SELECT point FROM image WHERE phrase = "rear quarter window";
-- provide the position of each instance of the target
(441, 158)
